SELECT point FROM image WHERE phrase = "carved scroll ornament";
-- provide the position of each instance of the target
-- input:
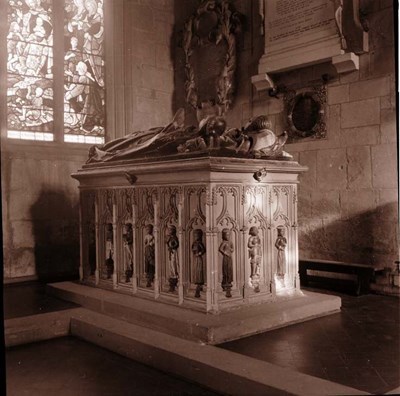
(221, 23)
(305, 111)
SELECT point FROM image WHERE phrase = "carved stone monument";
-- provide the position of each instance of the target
(202, 218)
(190, 216)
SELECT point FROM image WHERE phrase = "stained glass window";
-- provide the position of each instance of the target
(84, 70)
(30, 70)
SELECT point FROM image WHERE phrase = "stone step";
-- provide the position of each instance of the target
(381, 280)
(34, 328)
(385, 289)
(209, 366)
(199, 326)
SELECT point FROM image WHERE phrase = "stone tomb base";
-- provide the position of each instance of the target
(288, 308)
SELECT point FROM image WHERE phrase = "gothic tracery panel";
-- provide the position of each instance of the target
(125, 233)
(169, 225)
(228, 210)
(106, 231)
(257, 238)
(88, 224)
(283, 227)
(195, 274)
(145, 237)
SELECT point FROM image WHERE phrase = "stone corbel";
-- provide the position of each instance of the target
(263, 82)
(345, 63)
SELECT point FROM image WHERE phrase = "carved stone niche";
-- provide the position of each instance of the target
(305, 111)
(301, 33)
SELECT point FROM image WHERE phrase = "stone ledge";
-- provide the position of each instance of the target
(220, 370)
(34, 328)
(197, 326)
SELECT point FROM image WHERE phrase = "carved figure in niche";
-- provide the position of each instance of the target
(149, 255)
(198, 250)
(127, 237)
(255, 255)
(173, 245)
(109, 250)
(226, 249)
(280, 244)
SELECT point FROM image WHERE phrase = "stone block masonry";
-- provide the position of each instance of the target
(348, 204)
(147, 36)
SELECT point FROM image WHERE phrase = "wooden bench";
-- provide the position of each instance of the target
(315, 270)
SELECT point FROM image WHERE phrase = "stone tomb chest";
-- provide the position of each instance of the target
(201, 231)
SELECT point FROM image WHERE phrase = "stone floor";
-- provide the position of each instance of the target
(70, 367)
(358, 347)
(30, 298)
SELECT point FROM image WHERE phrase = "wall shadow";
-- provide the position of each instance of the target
(55, 229)
(369, 237)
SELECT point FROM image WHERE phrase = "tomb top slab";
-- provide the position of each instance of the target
(180, 169)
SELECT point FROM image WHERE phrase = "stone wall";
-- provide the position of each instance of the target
(147, 75)
(348, 206)
(40, 211)
(348, 199)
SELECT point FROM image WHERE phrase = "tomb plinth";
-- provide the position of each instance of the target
(197, 231)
